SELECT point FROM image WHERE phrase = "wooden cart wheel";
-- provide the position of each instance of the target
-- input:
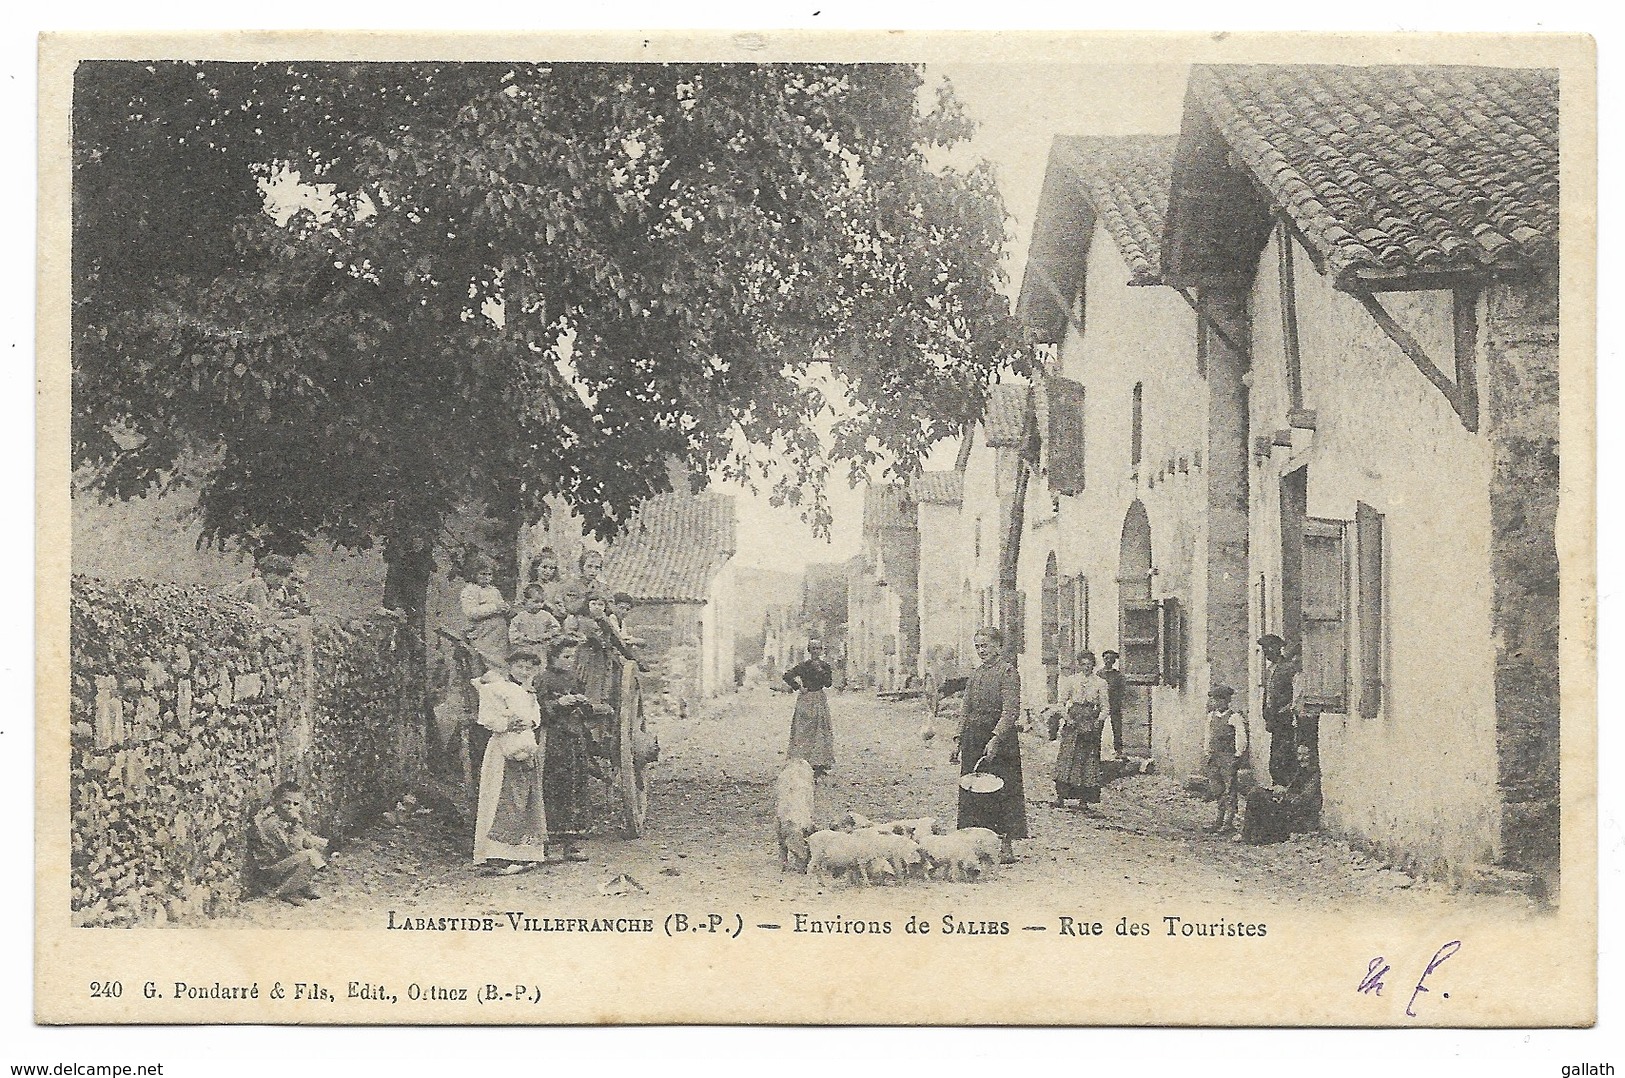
(631, 777)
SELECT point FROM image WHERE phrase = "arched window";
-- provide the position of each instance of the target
(1137, 425)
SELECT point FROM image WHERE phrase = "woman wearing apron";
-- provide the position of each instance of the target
(812, 736)
(988, 736)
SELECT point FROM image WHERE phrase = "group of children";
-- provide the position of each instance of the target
(1273, 812)
(550, 669)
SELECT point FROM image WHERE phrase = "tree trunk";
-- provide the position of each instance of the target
(409, 565)
(1010, 561)
(1010, 553)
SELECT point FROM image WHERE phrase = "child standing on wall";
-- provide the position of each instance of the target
(487, 613)
(285, 856)
(534, 628)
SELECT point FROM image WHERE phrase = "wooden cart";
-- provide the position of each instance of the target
(628, 750)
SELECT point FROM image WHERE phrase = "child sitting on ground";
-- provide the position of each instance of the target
(285, 856)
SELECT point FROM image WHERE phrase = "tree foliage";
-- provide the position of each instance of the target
(521, 281)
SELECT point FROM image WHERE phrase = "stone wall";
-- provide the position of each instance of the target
(187, 708)
(1519, 386)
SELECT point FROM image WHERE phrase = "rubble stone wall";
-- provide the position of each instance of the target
(1521, 395)
(187, 708)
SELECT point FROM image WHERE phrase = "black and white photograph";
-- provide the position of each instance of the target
(882, 508)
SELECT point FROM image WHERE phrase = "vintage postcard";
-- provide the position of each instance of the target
(913, 528)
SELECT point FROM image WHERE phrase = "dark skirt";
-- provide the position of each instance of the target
(1005, 812)
(1269, 820)
(564, 781)
(812, 736)
(1077, 767)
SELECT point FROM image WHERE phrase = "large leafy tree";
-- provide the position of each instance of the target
(515, 282)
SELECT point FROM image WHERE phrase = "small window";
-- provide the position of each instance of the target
(1051, 640)
(1151, 642)
(976, 538)
(1136, 426)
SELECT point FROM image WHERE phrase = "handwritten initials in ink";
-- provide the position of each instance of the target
(1373, 977)
(1439, 958)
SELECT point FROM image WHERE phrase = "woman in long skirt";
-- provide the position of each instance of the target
(565, 710)
(812, 736)
(510, 822)
(988, 737)
(1082, 702)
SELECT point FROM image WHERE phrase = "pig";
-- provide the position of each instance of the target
(965, 854)
(912, 828)
(897, 854)
(794, 815)
(986, 843)
(854, 821)
(948, 857)
(839, 853)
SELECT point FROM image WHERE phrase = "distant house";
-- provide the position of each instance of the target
(824, 612)
(937, 496)
(784, 641)
(1115, 542)
(676, 560)
(760, 592)
(883, 619)
(989, 460)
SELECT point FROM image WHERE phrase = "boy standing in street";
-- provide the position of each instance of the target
(1228, 746)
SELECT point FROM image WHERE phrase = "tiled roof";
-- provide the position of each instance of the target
(673, 547)
(885, 505)
(1392, 171)
(1005, 416)
(945, 487)
(1125, 178)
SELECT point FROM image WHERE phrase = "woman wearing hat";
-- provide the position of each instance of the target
(812, 736)
(988, 741)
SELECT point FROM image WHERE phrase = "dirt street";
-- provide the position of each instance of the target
(710, 842)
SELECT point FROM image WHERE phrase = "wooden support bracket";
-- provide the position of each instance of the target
(1462, 390)
(1055, 292)
(1213, 326)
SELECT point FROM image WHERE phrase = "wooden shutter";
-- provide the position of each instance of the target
(1171, 641)
(1066, 458)
(1368, 539)
(1138, 642)
(1049, 617)
(1325, 615)
(1066, 605)
(1080, 607)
